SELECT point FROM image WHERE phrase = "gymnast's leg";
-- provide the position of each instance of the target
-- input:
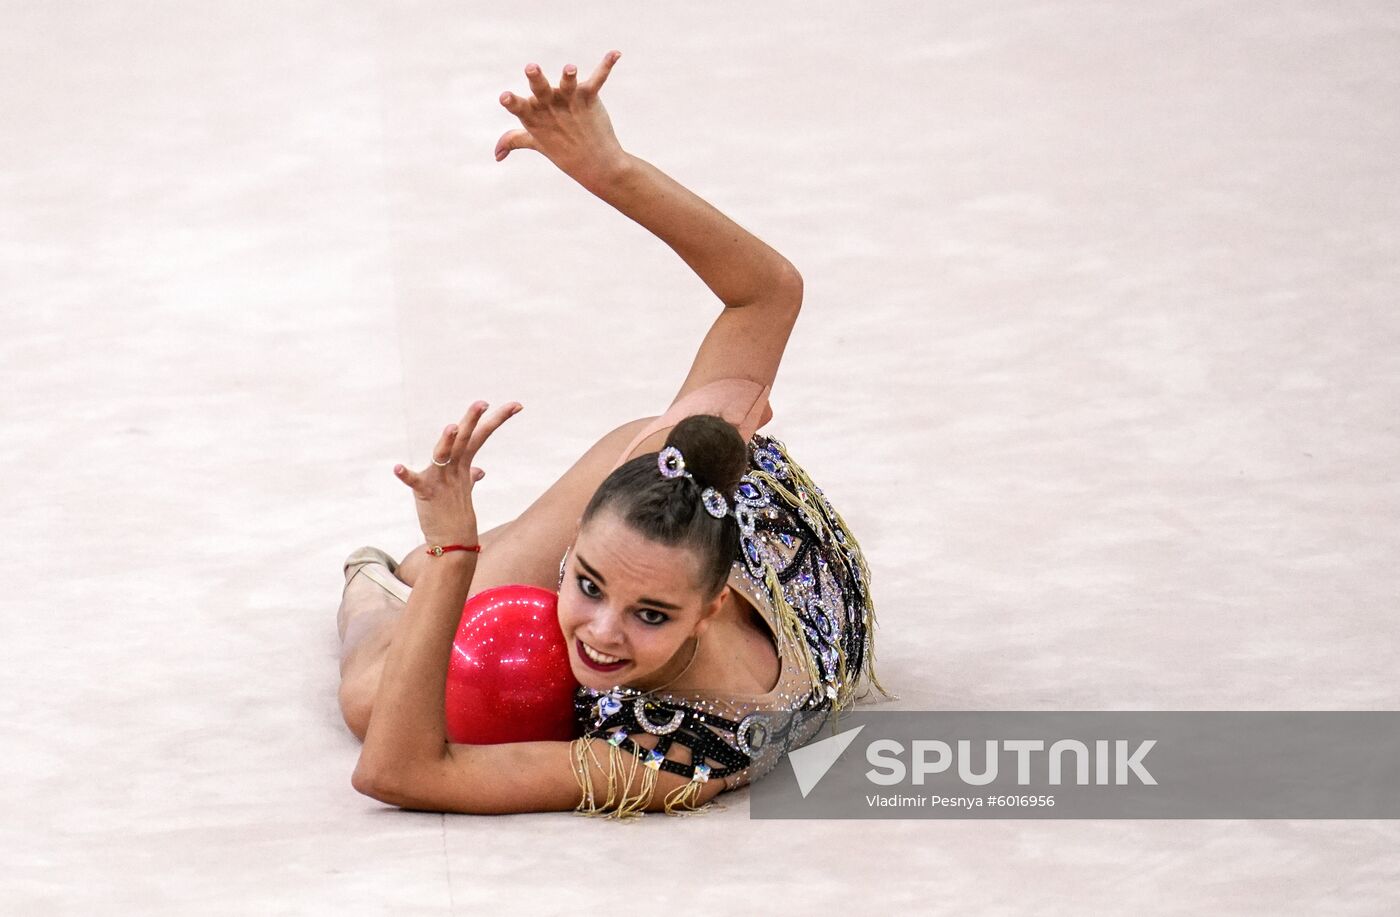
(368, 620)
(371, 616)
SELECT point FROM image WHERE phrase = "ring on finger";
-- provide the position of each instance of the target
(442, 464)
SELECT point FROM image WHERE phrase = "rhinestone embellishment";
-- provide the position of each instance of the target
(640, 708)
(671, 462)
(714, 501)
(753, 556)
(617, 737)
(749, 493)
(752, 734)
(702, 773)
(654, 759)
(672, 465)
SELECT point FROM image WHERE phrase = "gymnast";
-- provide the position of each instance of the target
(714, 605)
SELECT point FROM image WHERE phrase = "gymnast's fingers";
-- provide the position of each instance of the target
(600, 74)
(513, 103)
(538, 84)
(483, 431)
(514, 140)
(569, 81)
(466, 428)
(403, 474)
(443, 449)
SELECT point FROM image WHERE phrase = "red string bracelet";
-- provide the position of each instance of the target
(437, 550)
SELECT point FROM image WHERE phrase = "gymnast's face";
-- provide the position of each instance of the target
(628, 607)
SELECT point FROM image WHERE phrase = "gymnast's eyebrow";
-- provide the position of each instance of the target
(599, 577)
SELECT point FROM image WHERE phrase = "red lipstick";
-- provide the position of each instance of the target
(596, 666)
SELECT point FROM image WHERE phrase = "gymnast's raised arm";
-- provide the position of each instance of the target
(761, 290)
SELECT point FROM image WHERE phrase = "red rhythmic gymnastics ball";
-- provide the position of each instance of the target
(509, 678)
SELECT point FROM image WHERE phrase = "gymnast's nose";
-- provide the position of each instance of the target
(605, 632)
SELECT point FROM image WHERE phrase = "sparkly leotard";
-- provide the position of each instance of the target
(804, 573)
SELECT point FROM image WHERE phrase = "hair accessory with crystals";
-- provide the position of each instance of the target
(672, 465)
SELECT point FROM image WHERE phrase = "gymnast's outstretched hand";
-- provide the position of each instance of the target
(567, 123)
(443, 490)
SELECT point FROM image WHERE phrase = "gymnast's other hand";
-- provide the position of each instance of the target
(567, 123)
(443, 492)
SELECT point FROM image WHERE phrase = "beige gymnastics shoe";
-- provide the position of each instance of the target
(368, 554)
(377, 567)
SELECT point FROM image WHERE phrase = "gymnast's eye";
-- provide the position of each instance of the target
(661, 618)
(591, 595)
